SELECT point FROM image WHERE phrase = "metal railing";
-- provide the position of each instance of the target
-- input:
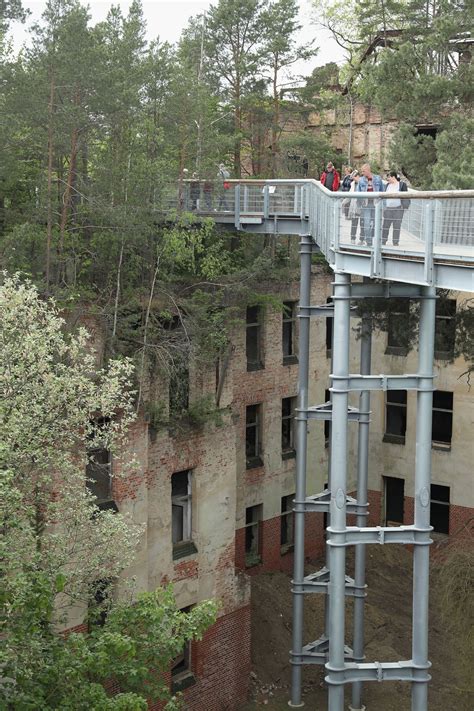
(434, 225)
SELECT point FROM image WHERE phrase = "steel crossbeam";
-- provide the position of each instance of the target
(322, 502)
(351, 382)
(318, 583)
(324, 412)
(378, 671)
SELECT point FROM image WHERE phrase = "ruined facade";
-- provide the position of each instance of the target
(216, 501)
(355, 130)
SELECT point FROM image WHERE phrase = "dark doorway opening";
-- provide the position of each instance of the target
(394, 494)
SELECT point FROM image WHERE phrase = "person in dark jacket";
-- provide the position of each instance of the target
(346, 178)
(330, 178)
(393, 208)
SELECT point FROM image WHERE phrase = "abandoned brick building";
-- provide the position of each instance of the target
(217, 501)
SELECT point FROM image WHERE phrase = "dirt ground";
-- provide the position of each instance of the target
(388, 638)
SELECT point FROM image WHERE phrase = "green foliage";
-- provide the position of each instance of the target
(414, 155)
(135, 647)
(454, 140)
(56, 543)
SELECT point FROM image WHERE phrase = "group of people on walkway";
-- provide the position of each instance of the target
(362, 212)
(205, 190)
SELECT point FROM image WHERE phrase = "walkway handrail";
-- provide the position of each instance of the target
(435, 228)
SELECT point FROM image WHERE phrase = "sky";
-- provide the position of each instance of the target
(167, 18)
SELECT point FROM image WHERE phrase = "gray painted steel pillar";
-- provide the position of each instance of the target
(327, 562)
(421, 560)
(301, 452)
(341, 333)
(362, 487)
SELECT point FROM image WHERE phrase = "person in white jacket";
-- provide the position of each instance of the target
(354, 211)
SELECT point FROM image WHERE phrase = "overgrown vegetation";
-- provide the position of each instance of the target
(57, 546)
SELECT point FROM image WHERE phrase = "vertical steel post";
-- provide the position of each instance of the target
(362, 487)
(301, 455)
(421, 560)
(341, 330)
(327, 548)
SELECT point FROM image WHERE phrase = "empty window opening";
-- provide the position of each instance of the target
(289, 332)
(445, 333)
(253, 436)
(394, 496)
(442, 421)
(327, 423)
(99, 468)
(397, 328)
(287, 522)
(253, 518)
(396, 416)
(181, 672)
(99, 602)
(288, 405)
(329, 330)
(427, 129)
(439, 518)
(325, 514)
(254, 348)
(181, 504)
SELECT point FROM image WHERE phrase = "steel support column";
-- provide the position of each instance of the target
(341, 334)
(421, 560)
(301, 452)
(362, 488)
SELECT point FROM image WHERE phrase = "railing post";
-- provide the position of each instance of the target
(246, 198)
(266, 202)
(376, 263)
(428, 225)
(336, 223)
(237, 206)
(421, 554)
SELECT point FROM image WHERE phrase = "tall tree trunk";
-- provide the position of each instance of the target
(70, 181)
(49, 197)
(238, 131)
(276, 120)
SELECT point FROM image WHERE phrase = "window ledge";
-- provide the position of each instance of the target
(252, 560)
(393, 438)
(290, 359)
(254, 366)
(287, 548)
(441, 447)
(288, 454)
(182, 681)
(254, 463)
(183, 550)
(396, 351)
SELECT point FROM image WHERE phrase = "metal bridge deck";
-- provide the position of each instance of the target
(437, 236)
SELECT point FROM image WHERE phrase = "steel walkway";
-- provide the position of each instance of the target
(437, 239)
(436, 251)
